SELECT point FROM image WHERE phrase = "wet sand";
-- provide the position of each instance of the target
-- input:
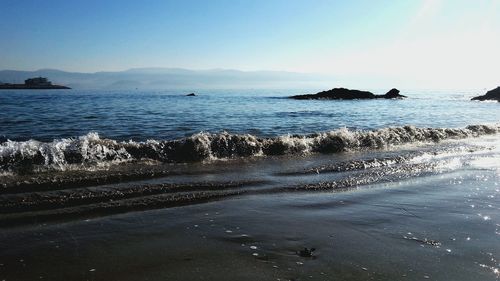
(381, 233)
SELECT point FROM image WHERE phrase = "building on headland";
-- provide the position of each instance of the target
(39, 83)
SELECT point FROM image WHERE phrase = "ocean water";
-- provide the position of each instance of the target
(160, 115)
(232, 185)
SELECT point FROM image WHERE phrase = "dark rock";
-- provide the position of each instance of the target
(306, 252)
(347, 94)
(337, 94)
(490, 95)
(191, 95)
(393, 94)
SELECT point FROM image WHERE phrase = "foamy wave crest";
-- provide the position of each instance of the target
(92, 151)
(61, 154)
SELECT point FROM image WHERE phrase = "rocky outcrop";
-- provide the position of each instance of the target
(490, 95)
(191, 95)
(393, 94)
(347, 94)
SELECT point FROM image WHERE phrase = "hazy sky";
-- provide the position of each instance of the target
(436, 43)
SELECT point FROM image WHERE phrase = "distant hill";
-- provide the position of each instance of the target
(174, 78)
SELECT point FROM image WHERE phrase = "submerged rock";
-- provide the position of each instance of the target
(306, 252)
(490, 95)
(191, 95)
(347, 94)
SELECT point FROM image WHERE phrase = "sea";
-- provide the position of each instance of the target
(248, 185)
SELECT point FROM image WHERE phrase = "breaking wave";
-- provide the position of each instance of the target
(91, 151)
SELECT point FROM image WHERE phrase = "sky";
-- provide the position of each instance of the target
(413, 43)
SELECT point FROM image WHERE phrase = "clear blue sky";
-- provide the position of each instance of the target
(374, 37)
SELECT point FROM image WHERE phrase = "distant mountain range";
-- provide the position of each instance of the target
(174, 78)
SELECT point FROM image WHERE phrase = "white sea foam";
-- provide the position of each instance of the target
(92, 151)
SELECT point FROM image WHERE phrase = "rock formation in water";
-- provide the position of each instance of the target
(490, 95)
(191, 95)
(393, 94)
(347, 94)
